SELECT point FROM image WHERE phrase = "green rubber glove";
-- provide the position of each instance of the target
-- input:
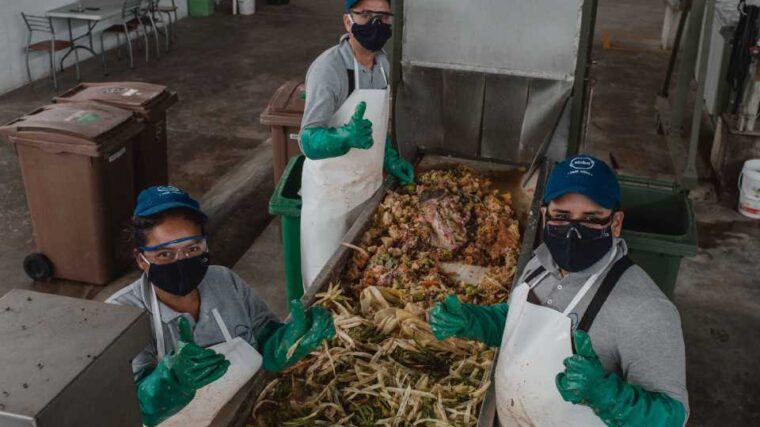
(484, 323)
(172, 384)
(323, 143)
(397, 166)
(617, 402)
(307, 328)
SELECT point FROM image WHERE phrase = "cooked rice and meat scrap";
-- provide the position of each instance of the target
(385, 367)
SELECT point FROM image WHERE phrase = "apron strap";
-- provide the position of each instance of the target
(222, 325)
(351, 82)
(158, 327)
(604, 291)
(533, 274)
(353, 77)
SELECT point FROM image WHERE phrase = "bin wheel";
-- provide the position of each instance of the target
(38, 267)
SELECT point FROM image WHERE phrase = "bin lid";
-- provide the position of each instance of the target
(286, 106)
(135, 96)
(86, 128)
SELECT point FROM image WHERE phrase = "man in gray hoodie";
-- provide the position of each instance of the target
(587, 338)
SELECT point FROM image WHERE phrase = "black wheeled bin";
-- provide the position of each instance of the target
(149, 102)
(77, 165)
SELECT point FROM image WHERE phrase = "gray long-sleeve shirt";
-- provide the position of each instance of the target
(637, 333)
(327, 82)
(241, 309)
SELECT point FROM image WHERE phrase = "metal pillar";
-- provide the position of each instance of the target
(671, 109)
(580, 91)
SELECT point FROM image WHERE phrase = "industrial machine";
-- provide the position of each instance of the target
(66, 362)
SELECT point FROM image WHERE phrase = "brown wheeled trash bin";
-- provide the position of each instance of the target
(149, 102)
(77, 165)
(284, 113)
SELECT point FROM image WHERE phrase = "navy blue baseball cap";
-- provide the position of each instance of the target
(352, 3)
(161, 198)
(585, 175)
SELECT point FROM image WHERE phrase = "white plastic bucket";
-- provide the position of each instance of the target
(749, 189)
(247, 7)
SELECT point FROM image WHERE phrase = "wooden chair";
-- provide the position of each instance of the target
(42, 24)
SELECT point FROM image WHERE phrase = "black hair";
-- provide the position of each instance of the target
(140, 226)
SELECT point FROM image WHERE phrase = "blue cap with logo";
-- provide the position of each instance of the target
(352, 3)
(161, 198)
(585, 175)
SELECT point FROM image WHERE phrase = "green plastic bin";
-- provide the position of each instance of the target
(200, 8)
(286, 203)
(659, 227)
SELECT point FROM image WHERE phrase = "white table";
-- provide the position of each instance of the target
(94, 12)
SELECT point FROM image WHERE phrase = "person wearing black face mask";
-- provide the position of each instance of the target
(587, 337)
(344, 132)
(196, 310)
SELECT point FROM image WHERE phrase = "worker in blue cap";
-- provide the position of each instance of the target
(587, 338)
(206, 319)
(344, 132)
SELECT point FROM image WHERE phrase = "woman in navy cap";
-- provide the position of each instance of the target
(209, 326)
(580, 288)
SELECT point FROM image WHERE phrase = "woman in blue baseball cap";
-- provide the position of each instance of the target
(210, 328)
(344, 132)
(580, 288)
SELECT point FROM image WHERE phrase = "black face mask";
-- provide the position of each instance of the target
(180, 277)
(575, 247)
(373, 35)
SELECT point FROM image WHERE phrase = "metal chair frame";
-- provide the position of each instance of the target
(43, 24)
(169, 11)
(149, 13)
(130, 11)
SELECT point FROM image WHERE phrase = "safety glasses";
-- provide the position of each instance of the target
(164, 253)
(363, 17)
(588, 228)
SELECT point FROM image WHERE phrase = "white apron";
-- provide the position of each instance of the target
(245, 361)
(332, 188)
(535, 343)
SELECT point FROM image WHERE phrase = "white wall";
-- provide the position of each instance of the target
(13, 34)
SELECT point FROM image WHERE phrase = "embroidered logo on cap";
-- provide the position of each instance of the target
(165, 190)
(582, 165)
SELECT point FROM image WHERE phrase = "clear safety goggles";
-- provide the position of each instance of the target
(364, 17)
(167, 252)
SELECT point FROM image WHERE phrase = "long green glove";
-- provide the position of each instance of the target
(397, 166)
(617, 402)
(172, 384)
(484, 323)
(306, 328)
(323, 143)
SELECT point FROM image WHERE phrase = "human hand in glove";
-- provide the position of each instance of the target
(615, 401)
(172, 384)
(397, 166)
(359, 128)
(322, 143)
(484, 323)
(294, 340)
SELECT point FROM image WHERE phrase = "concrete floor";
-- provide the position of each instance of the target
(225, 79)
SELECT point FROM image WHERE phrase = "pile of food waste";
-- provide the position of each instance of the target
(451, 233)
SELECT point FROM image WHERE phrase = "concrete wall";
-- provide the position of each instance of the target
(13, 34)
